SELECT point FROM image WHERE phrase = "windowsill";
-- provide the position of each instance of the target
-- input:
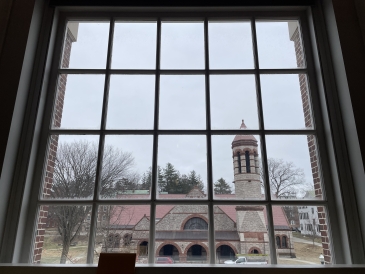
(26, 265)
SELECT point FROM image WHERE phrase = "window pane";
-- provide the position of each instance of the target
(131, 102)
(124, 229)
(230, 45)
(294, 168)
(134, 45)
(236, 167)
(280, 44)
(126, 171)
(182, 167)
(182, 102)
(63, 234)
(305, 243)
(241, 235)
(181, 234)
(182, 45)
(286, 102)
(86, 45)
(233, 98)
(70, 168)
(79, 101)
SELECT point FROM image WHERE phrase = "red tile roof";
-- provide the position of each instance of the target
(134, 213)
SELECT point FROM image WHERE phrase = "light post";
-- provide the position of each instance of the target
(321, 258)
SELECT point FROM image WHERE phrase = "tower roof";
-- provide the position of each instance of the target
(244, 139)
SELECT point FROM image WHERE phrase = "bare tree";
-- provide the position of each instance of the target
(286, 180)
(74, 177)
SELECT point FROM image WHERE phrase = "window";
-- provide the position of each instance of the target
(248, 165)
(144, 122)
(239, 162)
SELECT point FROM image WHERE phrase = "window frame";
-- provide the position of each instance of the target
(330, 198)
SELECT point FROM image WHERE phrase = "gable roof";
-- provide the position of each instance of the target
(136, 212)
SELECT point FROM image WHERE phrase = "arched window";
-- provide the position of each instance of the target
(239, 162)
(278, 242)
(127, 238)
(248, 165)
(196, 224)
(113, 240)
(284, 242)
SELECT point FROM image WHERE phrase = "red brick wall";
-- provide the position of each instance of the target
(43, 218)
(312, 145)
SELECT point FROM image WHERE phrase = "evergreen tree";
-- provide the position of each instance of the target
(171, 179)
(146, 179)
(221, 187)
(195, 181)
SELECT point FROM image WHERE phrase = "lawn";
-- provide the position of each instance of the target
(305, 254)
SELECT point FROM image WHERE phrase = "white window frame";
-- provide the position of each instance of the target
(330, 196)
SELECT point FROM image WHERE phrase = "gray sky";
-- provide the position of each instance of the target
(182, 97)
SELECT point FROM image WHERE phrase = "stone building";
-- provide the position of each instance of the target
(182, 230)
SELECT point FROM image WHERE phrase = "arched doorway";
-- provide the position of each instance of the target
(225, 252)
(169, 251)
(197, 253)
(143, 248)
(255, 251)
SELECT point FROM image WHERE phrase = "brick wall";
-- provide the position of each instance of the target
(52, 151)
(312, 144)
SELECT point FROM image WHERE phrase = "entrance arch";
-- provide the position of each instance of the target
(196, 253)
(225, 252)
(169, 251)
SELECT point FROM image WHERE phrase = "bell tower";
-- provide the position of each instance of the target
(251, 226)
(246, 166)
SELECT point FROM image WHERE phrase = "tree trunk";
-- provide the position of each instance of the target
(65, 249)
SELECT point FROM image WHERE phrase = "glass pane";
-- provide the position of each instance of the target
(230, 45)
(123, 229)
(241, 235)
(86, 45)
(294, 168)
(280, 44)
(70, 167)
(236, 167)
(131, 102)
(79, 101)
(181, 234)
(62, 234)
(134, 45)
(126, 171)
(286, 102)
(182, 167)
(182, 102)
(182, 45)
(233, 98)
(302, 238)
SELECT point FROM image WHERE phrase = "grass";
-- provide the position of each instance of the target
(305, 254)
(308, 238)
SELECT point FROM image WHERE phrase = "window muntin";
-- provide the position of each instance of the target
(158, 132)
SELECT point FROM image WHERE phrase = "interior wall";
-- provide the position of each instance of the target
(15, 20)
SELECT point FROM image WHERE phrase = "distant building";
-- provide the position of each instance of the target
(308, 217)
(182, 230)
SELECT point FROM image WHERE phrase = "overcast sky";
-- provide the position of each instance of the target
(182, 97)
